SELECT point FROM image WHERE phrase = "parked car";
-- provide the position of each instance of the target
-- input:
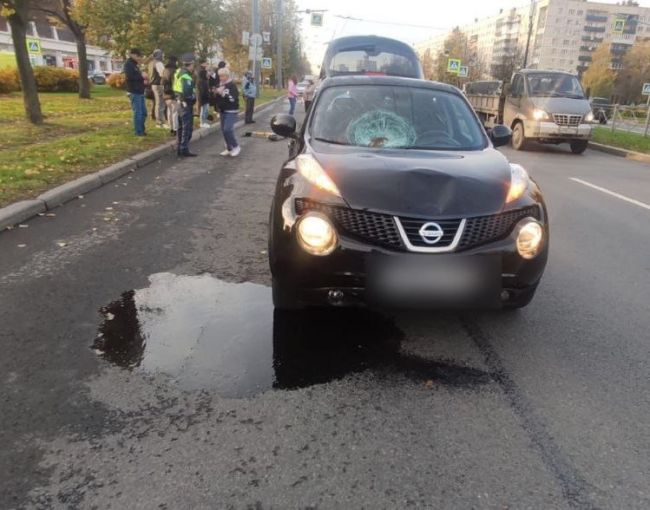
(393, 195)
(601, 106)
(544, 106)
(97, 77)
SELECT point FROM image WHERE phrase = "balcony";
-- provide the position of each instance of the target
(591, 39)
(587, 48)
(597, 18)
(584, 58)
(594, 29)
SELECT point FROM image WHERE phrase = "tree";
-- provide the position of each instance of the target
(635, 72)
(17, 13)
(62, 12)
(599, 78)
(428, 65)
(458, 45)
(507, 65)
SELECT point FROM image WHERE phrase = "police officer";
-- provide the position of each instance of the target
(184, 92)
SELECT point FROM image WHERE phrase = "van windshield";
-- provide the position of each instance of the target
(386, 116)
(554, 85)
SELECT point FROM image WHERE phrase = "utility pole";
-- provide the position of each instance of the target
(278, 44)
(255, 30)
(530, 31)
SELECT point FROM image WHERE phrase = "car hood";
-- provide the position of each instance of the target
(432, 184)
(562, 105)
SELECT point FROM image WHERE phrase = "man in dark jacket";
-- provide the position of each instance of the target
(135, 89)
(184, 91)
(250, 93)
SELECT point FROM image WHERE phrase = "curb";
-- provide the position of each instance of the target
(623, 153)
(20, 211)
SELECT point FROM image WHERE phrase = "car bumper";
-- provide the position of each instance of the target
(346, 276)
(551, 131)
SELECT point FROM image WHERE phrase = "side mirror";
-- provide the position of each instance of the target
(500, 135)
(284, 125)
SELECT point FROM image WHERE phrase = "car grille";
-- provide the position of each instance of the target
(562, 119)
(381, 229)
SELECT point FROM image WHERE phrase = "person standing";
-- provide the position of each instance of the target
(135, 90)
(250, 93)
(167, 83)
(228, 102)
(310, 92)
(203, 94)
(292, 94)
(156, 71)
(184, 91)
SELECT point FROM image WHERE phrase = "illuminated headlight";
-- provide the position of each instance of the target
(316, 234)
(518, 182)
(589, 117)
(540, 114)
(530, 237)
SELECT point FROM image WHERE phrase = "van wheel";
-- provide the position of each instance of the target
(579, 146)
(518, 137)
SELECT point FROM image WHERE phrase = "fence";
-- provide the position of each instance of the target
(633, 119)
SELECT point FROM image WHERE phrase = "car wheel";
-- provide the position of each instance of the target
(522, 298)
(518, 137)
(579, 146)
(284, 297)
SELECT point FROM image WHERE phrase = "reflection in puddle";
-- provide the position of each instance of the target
(214, 335)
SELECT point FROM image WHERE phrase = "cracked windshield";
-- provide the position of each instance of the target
(289, 254)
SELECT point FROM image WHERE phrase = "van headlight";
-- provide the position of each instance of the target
(530, 237)
(589, 117)
(316, 234)
(540, 114)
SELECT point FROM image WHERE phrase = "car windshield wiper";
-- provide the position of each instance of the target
(325, 140)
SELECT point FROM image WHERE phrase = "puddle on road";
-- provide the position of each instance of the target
(215, 335)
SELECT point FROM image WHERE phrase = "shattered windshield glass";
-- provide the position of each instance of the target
(554, 85)
(384, 116)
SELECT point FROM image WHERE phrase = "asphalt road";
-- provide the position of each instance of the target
(142, 365)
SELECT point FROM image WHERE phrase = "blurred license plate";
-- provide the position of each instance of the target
(433, 277)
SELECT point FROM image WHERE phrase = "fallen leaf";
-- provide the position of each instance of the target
(108, 208)
(50, 215)
(22, 245)
(62, 244)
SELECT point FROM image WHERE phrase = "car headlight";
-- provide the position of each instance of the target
(540, 114)
(311, 170)
(316, 234)
(518, 182)
(530, 236)
(589, 117)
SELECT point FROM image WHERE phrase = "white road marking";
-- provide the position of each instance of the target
(612, 193)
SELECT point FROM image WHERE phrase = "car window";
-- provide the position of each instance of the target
(365, 62)
(554, 85)
(385, 116)
(517, 86)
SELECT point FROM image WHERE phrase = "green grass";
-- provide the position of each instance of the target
(78, 137)
(622, 139)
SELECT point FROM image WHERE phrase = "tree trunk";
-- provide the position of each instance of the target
(25, 71)
(84, 82)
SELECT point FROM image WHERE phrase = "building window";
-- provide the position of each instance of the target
(572, 11)
(49, 60)
(566, 42)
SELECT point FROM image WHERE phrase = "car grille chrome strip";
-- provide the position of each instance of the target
(429, 249)
(563, 119)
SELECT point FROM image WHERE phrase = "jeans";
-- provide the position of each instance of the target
(250, 108)
(204, 111)
(292, 105)
(159, 103)
(228, 120)
(185, 127)
(139, 112)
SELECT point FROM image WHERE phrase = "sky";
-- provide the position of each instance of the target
(430, 16)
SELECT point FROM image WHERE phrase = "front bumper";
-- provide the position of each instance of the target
(551, 131)
(342, 278)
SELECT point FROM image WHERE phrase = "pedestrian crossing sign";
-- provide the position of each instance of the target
(619, 25)
(33, 46)
(646, 89)
(267, 63)
(464, 72)
(453, 65)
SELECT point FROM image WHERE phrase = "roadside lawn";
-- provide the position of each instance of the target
(622, 139)
(77, 138)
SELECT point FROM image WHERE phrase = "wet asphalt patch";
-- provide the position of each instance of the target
(208, 334)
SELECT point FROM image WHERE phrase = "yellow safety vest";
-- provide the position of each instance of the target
(179, 76)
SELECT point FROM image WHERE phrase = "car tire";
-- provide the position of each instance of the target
(284, 297)
(579, 146)
(522, 299)
(519, 141)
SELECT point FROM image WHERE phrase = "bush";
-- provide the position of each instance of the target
(117, 81)
(56, 79)
(9, 80)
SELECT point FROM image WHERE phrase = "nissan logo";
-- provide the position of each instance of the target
(431, 233)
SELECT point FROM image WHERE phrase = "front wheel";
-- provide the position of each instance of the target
(518, 137)
(579, 146)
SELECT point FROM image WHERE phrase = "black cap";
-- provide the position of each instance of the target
(135, 51)
(187, 58)
(221, 65)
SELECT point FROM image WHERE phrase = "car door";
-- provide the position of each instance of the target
(512, 105)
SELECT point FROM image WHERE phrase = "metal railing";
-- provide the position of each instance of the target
(633, 119)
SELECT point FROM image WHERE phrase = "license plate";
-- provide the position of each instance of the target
(566, 130)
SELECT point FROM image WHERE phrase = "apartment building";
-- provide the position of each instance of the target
(56, 47)
(565, 33)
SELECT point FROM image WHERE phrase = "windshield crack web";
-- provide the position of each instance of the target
(381, 128)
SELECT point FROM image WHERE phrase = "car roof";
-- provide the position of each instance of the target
(544, 71)
(396, 81)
